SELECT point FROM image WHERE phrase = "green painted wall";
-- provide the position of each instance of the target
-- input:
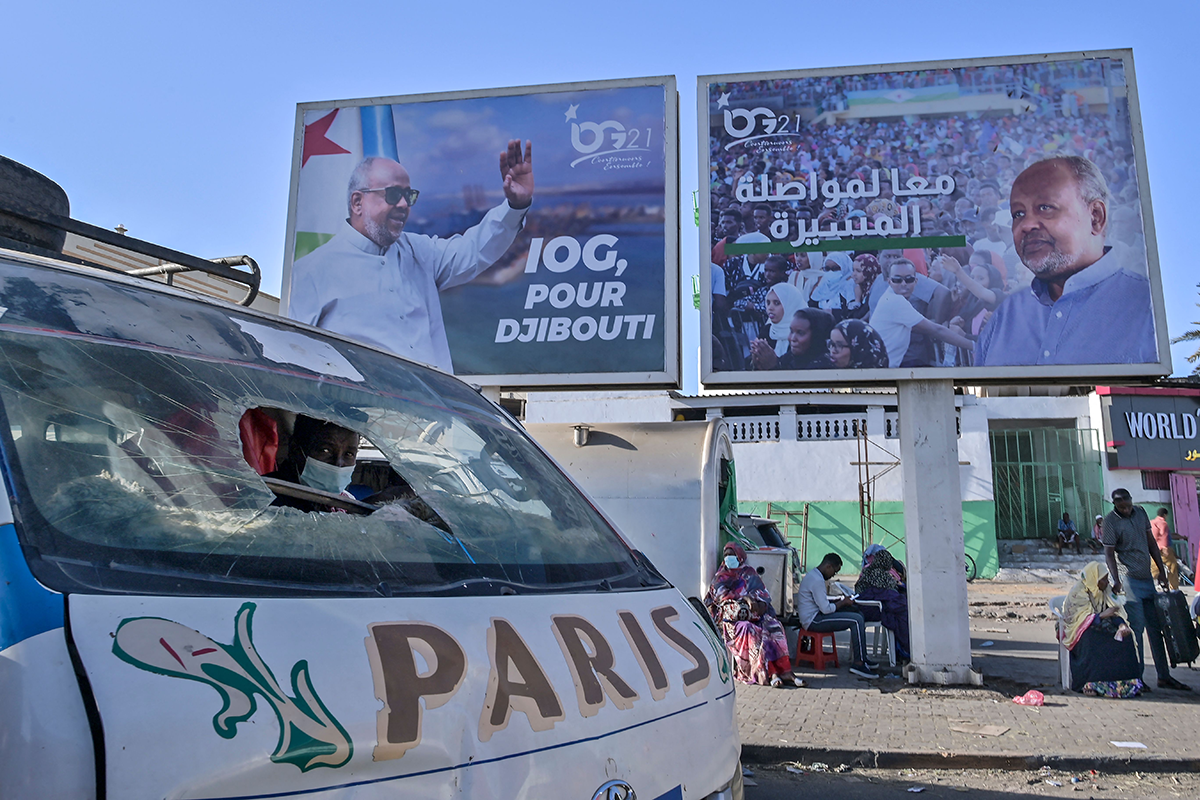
(835, 527)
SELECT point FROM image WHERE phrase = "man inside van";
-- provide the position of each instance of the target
(375, 283)
(320, 455)
(819, 615)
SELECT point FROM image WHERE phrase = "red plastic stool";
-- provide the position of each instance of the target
(815, 654)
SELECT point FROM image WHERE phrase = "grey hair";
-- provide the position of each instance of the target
(1087, 175)
(358, 178)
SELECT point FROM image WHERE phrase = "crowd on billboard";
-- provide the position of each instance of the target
(1051, 267)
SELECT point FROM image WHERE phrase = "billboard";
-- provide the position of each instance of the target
(978, 220)
(558, 268)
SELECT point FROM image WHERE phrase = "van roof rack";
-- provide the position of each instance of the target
(35, 218)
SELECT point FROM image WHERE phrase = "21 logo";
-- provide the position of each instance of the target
(597, 139)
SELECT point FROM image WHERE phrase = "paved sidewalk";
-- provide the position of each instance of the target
(843, 719)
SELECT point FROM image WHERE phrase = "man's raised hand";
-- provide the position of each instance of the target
(517, 173)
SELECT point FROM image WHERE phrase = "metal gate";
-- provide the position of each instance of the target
(1039, 473)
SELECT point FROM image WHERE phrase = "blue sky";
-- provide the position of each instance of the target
(177, 120)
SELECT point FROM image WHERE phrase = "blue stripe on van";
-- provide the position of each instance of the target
(26, 607)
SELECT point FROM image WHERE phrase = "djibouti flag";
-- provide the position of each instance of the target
(335, 140)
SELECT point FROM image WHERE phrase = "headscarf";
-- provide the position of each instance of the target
(1085, 601)
(741, 582)
(832, 289)
(871, 550)
(792, 300)
(867, 350)
(871, 270)
(879, 573)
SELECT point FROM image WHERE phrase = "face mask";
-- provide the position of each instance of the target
(325, 477)
(731, 562)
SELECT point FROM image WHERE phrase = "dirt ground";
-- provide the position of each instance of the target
(795, 780)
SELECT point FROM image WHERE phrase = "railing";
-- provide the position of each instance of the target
(754, 429)
(823, 427)
(810, 427)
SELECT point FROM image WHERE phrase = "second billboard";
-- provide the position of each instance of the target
(981, 220)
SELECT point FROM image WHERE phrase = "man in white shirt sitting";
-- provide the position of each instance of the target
(819, 615)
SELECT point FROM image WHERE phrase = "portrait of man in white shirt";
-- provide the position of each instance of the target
(379, 284)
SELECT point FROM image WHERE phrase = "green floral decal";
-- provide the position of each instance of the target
(309, 736)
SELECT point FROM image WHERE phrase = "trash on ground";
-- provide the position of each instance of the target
(915, 789)
(749, 782)
(795, 771)
(1031, 698)
(1132, 745)
(747, 772)
(965, 726)
(988, 643)
(1053, 783)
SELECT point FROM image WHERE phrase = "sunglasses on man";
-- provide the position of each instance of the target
(905, 279)
(394, 194)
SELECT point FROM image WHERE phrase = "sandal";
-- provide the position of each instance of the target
(776, 682)
(799, 682)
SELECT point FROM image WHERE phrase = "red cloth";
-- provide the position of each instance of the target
(260, 440)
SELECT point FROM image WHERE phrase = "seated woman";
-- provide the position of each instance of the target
(882, 579)
(1104, 660)
(740, 605)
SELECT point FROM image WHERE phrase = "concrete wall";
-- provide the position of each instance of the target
(594, 407)
(1077, 408)
(836, 527)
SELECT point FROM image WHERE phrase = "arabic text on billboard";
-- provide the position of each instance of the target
(955, 220)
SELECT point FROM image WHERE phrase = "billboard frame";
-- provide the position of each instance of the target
(671, 375)
(1072, 374)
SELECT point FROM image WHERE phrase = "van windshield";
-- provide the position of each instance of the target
(147, 468)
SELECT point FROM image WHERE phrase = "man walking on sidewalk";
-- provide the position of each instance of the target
(1127, 536)
(819, 615)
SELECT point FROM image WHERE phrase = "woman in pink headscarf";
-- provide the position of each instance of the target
(741, 606)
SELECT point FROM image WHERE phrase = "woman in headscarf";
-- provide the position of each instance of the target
(807, 342)
(882, 579)
(781, 304)
(836, 289)
(1095, 629)
(853, 344)
(741, 606)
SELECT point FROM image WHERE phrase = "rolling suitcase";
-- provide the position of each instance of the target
(1178, 629)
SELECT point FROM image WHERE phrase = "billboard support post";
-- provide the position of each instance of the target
(937, 589)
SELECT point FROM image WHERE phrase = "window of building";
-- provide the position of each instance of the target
(1156, 480)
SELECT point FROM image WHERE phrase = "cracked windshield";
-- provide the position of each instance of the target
(160, 470)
